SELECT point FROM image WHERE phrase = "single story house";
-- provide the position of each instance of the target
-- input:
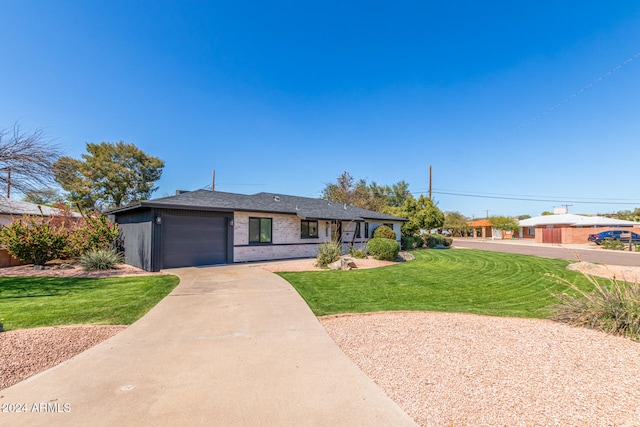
(210, 227)
(10, 210)
(570, 228)
(484, 229)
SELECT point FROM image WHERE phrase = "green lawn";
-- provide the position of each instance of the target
(29, 302)
(454, 280)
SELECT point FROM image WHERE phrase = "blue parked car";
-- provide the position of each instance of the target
(622, 235)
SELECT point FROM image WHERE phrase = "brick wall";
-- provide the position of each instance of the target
(7, 260)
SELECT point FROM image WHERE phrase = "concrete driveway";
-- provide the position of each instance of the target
(230, 346)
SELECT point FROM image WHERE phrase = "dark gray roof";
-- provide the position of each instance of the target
(304, 207)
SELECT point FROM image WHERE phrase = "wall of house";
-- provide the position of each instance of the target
(286, 241)
(136, 238)
(580, 234)
(577, 235)
(285, 238)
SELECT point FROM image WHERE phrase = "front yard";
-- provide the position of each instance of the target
(29, 302)
(455, 280)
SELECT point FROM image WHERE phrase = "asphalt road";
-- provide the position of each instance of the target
(601, 256)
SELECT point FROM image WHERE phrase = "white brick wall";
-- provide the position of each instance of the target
(286, 240)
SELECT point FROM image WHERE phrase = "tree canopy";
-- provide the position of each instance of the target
(372, 196)
(43, 196)
(422, 214)
(456, 222)
(109, 175)
(26, 159)
(504, 223)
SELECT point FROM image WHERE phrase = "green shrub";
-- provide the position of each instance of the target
(612, 244)
(383, 249)
(357, 252)
(328, 252)
(33, 240)
(614, 309)
(407, 242)
(100, 259)
(96, 232)
(433, 240)
(384, 232)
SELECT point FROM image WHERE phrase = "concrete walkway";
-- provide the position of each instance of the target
(230, 346)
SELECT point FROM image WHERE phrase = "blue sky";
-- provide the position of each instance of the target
(507, 101)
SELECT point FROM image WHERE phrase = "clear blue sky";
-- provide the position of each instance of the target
(285, 96)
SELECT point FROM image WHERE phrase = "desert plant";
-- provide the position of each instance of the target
(328, 252)
(357, 252)
(100, 259)
(383, 249)
(613, 308)
(385, 232)
(33, 240)
(613, 244)
(433, 240)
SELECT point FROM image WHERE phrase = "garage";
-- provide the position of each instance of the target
(193, 239)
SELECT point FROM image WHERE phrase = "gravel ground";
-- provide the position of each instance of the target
(26, 352)
(447, 369)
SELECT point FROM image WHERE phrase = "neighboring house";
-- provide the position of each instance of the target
(569, 228)
(207, 228)
(10, 210)
(483, 228)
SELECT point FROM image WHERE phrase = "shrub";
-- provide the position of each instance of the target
(384, 232)
(357, 252)
(33, 240)
(407, 242)
(612, 244)
(418, 241)
(433, 240)
(100, 259)
(96, 232)
(614, 309)
(383, 249)
(328, 252)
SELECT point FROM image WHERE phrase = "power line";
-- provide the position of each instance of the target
(553, 200)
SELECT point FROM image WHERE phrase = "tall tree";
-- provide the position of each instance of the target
(504, 223)
(109, 175)
(372, 196)
(456, 222)
(422, 214)
(26, 159)
(43, 196)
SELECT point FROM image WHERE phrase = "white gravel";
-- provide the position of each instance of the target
(26, 352)
(447, 369)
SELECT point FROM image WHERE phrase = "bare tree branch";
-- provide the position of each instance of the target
(26, 159)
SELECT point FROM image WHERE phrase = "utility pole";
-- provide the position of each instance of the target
(213, 180)
(8, 183)
(566, 207)
(487, 211)
(430, 182)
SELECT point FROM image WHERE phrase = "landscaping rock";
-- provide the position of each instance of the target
(405, 256)
(343, 264)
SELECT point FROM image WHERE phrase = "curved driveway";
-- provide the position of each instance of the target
(568, 252)
(230, 346)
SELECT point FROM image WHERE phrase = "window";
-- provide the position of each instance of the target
(358, 234)
(531, 232)
(308, 229)
(366, 230)
(260, 230)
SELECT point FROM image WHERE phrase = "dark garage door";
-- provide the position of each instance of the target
(193, 240)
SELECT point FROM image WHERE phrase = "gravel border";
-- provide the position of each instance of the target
(26, 352)
(459, 369)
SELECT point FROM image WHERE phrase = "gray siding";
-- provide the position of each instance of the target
(136, 237)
